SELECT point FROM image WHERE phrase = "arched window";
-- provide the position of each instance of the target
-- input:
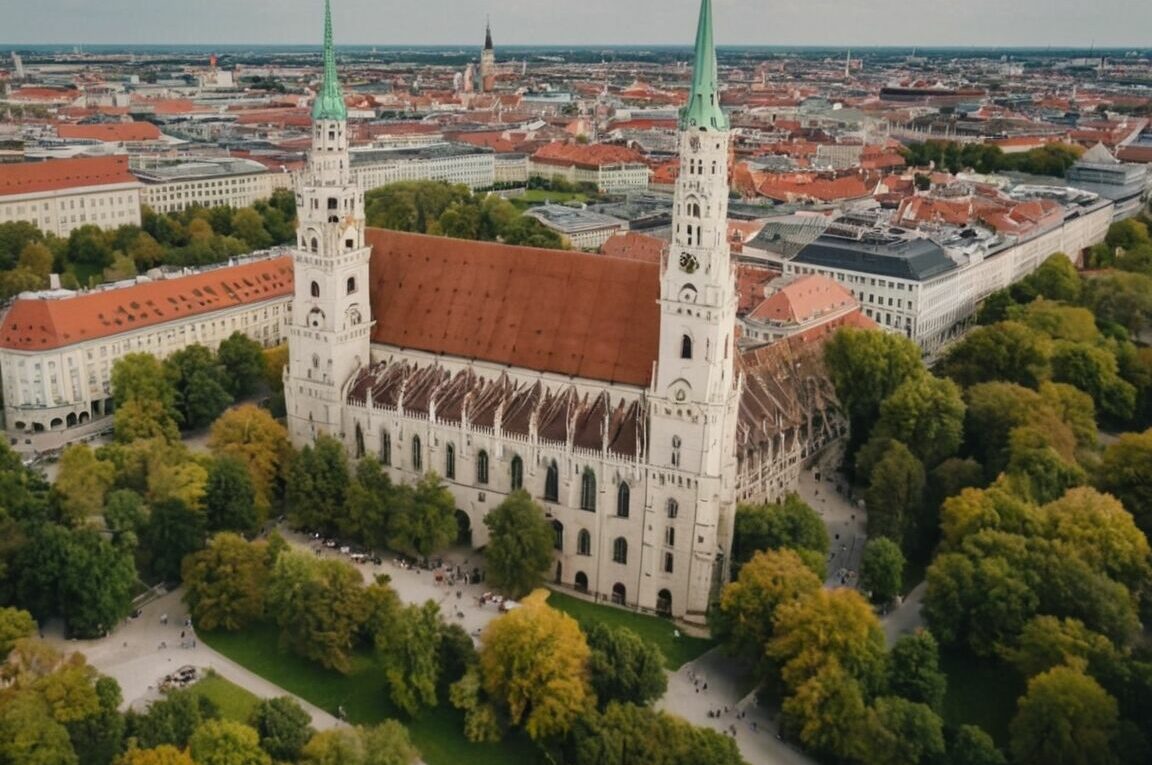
(558, 535)
(552, 483)
(694, 209)
(482, 467)
(583, 543)
(315, 245)
(517, 473)
(623, 497)
(385, 448)
(450, 461)
(588, 490)
(620, 550)
(685, 347)
(675, 451)
(673, 508)
(315, 290)
(332, 203)
(351, 284)
(417, 455)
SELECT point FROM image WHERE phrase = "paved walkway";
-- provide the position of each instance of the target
(134, 657)
(713, 683)
(906, 617)
(824, 489)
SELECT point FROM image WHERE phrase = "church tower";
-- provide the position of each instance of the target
(695, 392)
(329, 335)
(488, 62)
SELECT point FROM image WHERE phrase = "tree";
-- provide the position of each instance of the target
(248, 226)
(18, 280)
(1126, 472)
(1095, 371)
(914, 670)
(250, 434)
(141, 377)
(1056, 279)
(15, 624)
(744, 620)
(283, 726)
(994, 410)
(1007, 351)
(826, 712)
(201, 385)
(972, 746)
(82, 482)
(36, 258)
(625, 733)
(811, 631)
(425, 518)
(1101, 533)
(174, 530)
(368, 508)
(224, 583)
(903, 732)
(866, 366)
(165, 754)
(145, 251)
(319, 605)
(29, 735)
(788, 524)
(1047, 642)
(926, 414)
(229, 498)
(1036, 469)
(225, 742)
(1065, 718)
(99, 737)
(171, 720)
(138, 420)
(882, 569)
(384, 744)
(624, 667)
(317, 483)
(520, 544)
(895, 494)
(243, 360)
(388, 744)
(534, 666)
(409, 649)
(95, 586)
(1058, 321)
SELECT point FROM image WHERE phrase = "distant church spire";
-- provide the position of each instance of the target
(703, 109)
(487, 34)
(329, 104)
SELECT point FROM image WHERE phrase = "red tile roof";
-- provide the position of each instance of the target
(556, 311)
(58, 174)
(36, 324)
(586, 155)
(111, 132)
(803, 299)
(629, 244)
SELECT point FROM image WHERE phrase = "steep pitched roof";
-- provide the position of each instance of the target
(37, 324)
(59, 174)
(570, 313)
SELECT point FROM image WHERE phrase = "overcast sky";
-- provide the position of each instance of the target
(1105, 23)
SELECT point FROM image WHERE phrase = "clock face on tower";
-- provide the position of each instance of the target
(688, 262)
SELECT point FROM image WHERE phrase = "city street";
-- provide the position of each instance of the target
(824, 489)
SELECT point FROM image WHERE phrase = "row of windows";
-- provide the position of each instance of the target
(619, 546)
(516, 474)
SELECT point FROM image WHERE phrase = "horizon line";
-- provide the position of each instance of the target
(863, 47)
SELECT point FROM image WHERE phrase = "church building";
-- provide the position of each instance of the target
(610, 389)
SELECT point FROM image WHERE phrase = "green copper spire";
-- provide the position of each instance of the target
(703, 109)
(329, 104)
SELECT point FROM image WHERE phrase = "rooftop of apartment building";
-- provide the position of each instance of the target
(197, 169)
(444, 150)
(572, 220)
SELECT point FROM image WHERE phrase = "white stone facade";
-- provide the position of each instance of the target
(60, 212)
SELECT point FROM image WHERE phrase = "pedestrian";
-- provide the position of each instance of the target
(181, 634)
(164, 619)
(705, 686)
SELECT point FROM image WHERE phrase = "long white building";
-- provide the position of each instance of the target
(208, 182)
(61, 195)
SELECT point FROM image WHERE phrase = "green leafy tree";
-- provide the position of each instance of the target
(1007, 352)
(283, 726)
(520, 544)
(82, 482)
(224, 583)
(624, 667)
(174, 530)
(138, 420)
(903, 732)
(141, 377)
(317, 483)
(201, 385)
(972, 746)
(385, 744)
(791, 523)
(424, 521)
(1065, 718)
(319, 605)
(229, 498)
(994, 410)
(1095, 371)
(1126, 472)
(368, 509)
(882, 569)
(744, 620)
(826, 712)
(243, 360)
(1058, 321)
(172, 720)
(248, 226)
(926, 414)
(626, 733)
(1047, 642)
(1056, 279)
(895, 494)
(36, 258)
(409, 650)
(867, 366)
(225, 742)
(29, 735)
(15, 624)
(165, 754)
(1120, 298)
(914, 670)
(250, 434)
(99, 737)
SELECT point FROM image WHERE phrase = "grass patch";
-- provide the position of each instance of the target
(678, 651)
(437, 733)
(533, 197)
(980, 692)
(234, 702)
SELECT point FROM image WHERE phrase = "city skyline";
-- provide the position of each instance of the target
(978, 23)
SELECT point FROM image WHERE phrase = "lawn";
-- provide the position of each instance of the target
(980, 692)
(234, 702)
(540, 196)
(438, 733)
(678, 651)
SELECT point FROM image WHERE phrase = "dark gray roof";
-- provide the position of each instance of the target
(897, 257)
